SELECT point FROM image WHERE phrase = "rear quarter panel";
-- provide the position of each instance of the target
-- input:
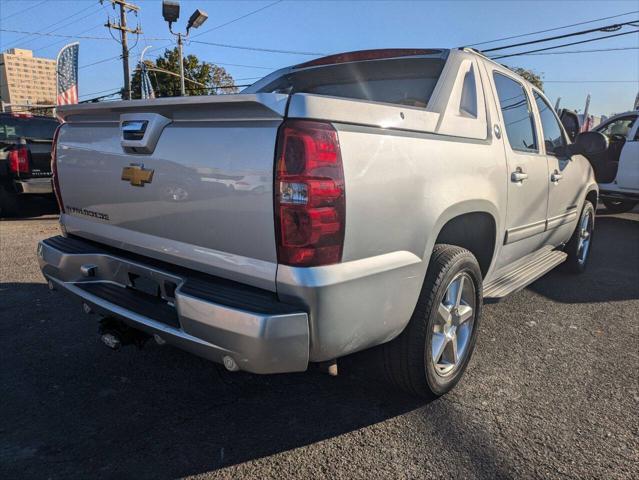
(401, 188)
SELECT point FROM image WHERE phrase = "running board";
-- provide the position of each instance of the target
(523, 273)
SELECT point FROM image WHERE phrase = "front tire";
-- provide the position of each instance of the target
(430, 356)
(619, 206)
(579, 246)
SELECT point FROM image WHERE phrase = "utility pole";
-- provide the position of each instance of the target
(122, 27)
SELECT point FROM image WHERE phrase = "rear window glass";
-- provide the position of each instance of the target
(12, 128)
(402, 81)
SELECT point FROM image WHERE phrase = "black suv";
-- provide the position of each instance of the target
(25, 158)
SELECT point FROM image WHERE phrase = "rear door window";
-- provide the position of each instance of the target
(518, 117)
(400, 81)
(553, 136)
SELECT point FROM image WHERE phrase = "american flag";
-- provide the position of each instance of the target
(67, 70)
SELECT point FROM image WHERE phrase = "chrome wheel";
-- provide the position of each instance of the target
(585, 235)
(453, 326)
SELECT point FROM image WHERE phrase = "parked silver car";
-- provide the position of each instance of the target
(408, 187)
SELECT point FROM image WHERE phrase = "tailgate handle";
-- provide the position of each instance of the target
(134, 129)
(141, 131)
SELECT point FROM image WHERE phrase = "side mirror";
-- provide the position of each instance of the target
(589, 143)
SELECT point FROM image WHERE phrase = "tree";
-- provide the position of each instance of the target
(532, 77)
(200, 78)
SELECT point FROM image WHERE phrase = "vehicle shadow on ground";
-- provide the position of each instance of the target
(32, 207)
(74, 409)
(612, 273)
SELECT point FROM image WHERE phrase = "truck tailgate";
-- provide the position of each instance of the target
(200, 197)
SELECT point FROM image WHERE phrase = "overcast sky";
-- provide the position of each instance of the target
(329, 27)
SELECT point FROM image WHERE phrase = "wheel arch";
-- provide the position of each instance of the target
(473, 226)
(592, 195)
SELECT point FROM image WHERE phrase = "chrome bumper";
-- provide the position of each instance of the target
(209, 317)
(35, 185)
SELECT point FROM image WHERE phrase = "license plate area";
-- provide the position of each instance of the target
(145, 285)
(154, 287)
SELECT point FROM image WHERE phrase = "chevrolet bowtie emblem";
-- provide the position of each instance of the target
(137, 175)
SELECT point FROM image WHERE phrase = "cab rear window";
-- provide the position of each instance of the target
(13, 128)
(400, 81)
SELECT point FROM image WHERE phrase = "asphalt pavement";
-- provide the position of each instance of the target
(551, 392)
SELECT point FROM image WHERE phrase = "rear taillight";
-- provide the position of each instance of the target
(54, 169)
(310, 204)
(19, 159)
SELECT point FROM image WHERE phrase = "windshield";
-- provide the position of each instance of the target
(12, 128)
(401, 81)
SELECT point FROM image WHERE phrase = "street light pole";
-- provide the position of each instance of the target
(171, 12)
(181, 55)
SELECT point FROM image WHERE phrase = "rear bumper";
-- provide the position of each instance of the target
(34, 185)
(210, 317)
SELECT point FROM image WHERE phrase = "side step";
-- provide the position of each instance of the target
(523, 273)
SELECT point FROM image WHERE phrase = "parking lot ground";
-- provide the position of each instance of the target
(551, 392)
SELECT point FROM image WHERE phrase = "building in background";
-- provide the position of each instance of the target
(26, 81)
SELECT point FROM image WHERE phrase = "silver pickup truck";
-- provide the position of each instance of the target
(366, 199)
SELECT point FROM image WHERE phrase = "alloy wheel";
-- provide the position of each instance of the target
(453, 326)
(585, 235)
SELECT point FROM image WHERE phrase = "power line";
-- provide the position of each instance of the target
(23, 10)
(16, 42)
(223, 45)
(608, 28)
(241, 17)
(65, 25)
(241, 65)
(43, 34)
(80, 37)
(78, 33)
(95, 99)
(101, 91)
(238, 18)
(110, 59)
(582, 51)
(591, 81)
(257, 49)
(553, 29)
(58, 42)
(565, 45)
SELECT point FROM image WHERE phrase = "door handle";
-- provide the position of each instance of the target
(518, 175)
(556, 176)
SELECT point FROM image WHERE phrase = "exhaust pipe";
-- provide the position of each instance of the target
(115, 334)
(111, 340)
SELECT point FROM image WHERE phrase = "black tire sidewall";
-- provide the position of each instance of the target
(440, 385)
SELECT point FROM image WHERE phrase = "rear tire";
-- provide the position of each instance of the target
(579, 246)
(430, 356)
(8, 202)
(619, 206)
